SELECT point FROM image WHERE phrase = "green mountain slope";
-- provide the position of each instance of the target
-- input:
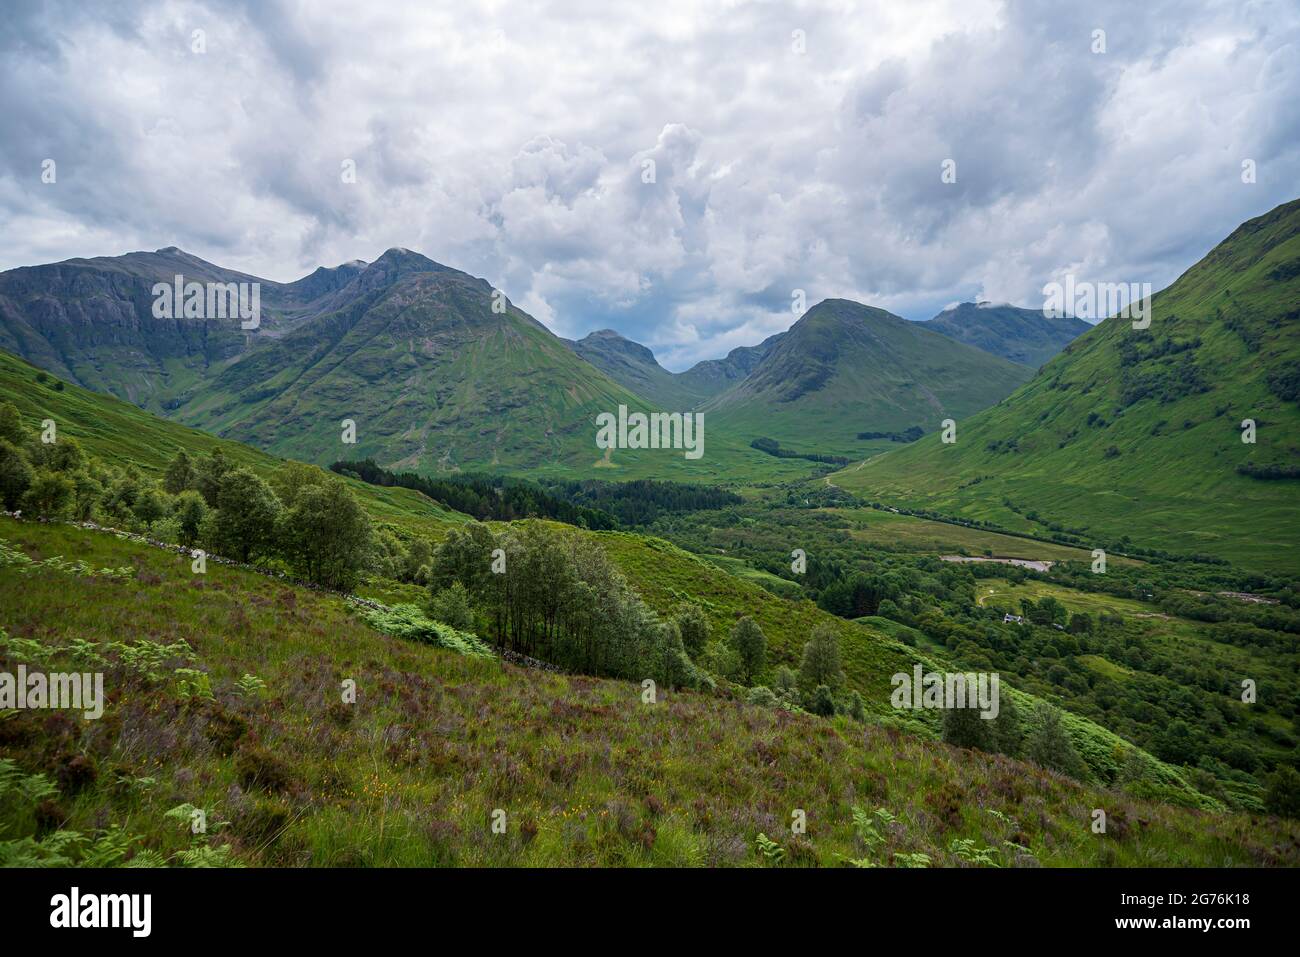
(414, 353)
(1025, 336)
(1137, 434)
(845, 368)
(91, 321)
(117, 431)
(634, 367)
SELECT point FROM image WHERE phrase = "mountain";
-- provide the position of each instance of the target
(435, 371)
(634, 367)
(90, 321)
(845, 369)
(414, 353)
(1139, 433)
(713, 376)
(1025, 336)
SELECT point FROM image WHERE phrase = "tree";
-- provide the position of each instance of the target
(722, 659)
(150, 506)
(292, 477)
(11, 424)
(857, 707)
(1283, 795)
(245, 522)
(180, 474)
(209, 473)
(673, 665)
(120, 498)
(821, 660)
(857, 597)
(1175, 743)
(1046, 611)
(191, 510)
(465, 555)
(419, 560)
(86, 495)
(1008, 733)
(1080, 623)
(785, 681)
(65, 455)
(15, 474)
(450, 606)
(326, 536)
(964, 728)
(1049, 746)
(751, 645)
(50, 494)
(694, 626)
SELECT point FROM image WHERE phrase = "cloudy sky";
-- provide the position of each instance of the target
(794, 146)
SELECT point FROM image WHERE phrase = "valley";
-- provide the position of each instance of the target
(499, 587)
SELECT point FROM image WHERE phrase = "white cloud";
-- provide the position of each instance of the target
(510, 142)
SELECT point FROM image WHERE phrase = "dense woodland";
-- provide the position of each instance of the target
(587, 504)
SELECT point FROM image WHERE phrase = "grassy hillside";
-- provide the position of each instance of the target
(1136, 435)
(411, 773)
(878, 528)
(119, 432)
(845, 369)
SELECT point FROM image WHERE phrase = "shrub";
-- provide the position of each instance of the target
(1283, 795)
(450, 606)
(406, 621)
(50, 495)
(822, 701)
(258, 767)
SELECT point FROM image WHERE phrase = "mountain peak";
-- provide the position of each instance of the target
(612, 343)
(1024, 336)
(844, 312)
